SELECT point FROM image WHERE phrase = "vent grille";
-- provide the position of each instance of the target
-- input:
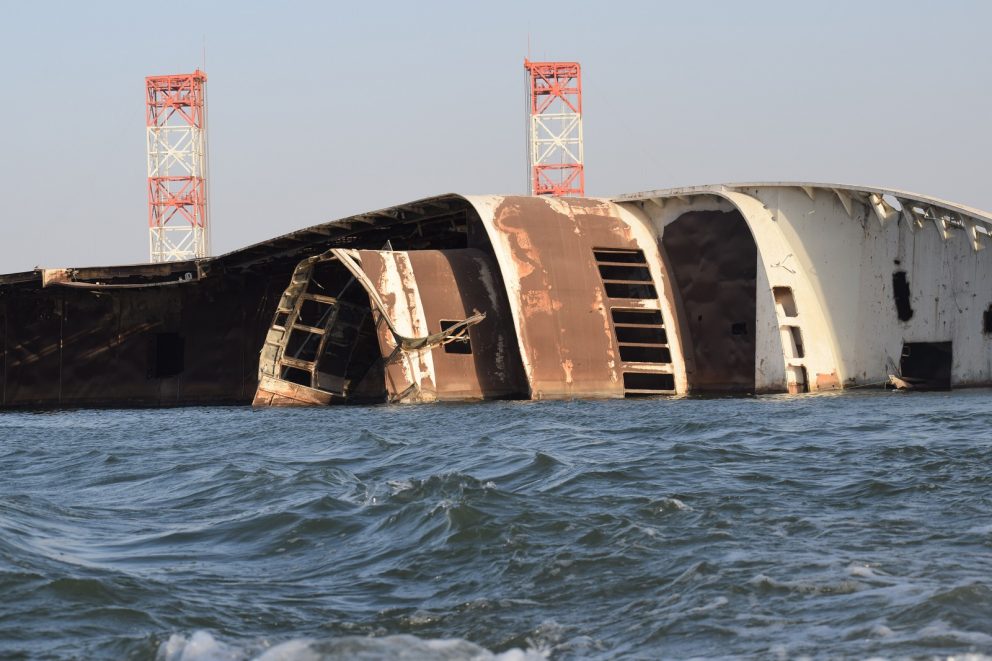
(625, 273)
(640, 333)
(641, 336)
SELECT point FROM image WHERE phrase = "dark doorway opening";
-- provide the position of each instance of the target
(167, 355)
(926, 365)
(714, 263)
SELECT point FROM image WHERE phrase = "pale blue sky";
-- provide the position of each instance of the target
(321, 110)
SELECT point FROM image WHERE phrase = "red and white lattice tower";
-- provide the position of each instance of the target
(554, 102)
(176, 114)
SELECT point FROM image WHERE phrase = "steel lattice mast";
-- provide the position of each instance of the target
(555, 158)
(177, 166)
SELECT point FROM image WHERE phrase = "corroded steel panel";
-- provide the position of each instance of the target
(425, 289)
(195, 343)
(409, 375)
(565, 331)
(276, 392)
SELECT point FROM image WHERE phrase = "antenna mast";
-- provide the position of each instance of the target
(176, 118)
(555, 155)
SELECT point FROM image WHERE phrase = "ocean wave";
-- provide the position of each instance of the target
(445, 485)
(810, 587)
(202, 646)
(676, 529)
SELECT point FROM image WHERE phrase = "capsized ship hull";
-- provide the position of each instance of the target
(734, 288)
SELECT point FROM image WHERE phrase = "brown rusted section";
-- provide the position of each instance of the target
(195, 343)
(422, 289)
(192, 333)
(564, 322)
(409, 374)
(827, 381)
(182, 333)
(276, 392)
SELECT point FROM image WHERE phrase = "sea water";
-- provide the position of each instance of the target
(855, 525)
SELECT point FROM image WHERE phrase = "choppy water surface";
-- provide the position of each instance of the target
(852, 525)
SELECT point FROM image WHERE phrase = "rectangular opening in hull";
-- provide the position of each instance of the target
(797, 341)
(619, 255)
(642, 317)
(926, 365)
(641, 335)
(458, 346)
(646, 383)
(641, 354)
(616, 272)
(296, 375)
(630, 290)
(302, 345)
(785, 301)
(792, 342)
(167, 355)
(314, 313)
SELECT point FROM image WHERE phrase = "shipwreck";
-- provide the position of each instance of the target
(746, 288)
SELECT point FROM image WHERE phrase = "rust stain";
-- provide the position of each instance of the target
(539, 301)
(424, 365)
(827, 381)
(599, 307)
(518, 238)
(566, 330)
(438, 286)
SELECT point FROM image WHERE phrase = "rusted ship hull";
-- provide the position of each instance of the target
(745, 288)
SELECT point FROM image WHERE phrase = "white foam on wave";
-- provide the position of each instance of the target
(881, 631)
(670, 503)
(807, 586)
(861, 570)
(399, 486)
(202, 646)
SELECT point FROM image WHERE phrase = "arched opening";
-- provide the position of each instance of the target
(713, 261)
(322, 346)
